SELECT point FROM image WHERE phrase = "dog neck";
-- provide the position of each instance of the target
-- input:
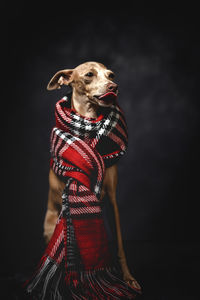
(83, 106)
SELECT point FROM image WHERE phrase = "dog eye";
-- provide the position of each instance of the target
(111, 75)
(89, 74)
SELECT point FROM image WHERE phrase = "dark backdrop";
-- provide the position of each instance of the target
(156, 61)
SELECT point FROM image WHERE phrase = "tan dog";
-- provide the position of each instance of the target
(90, 82)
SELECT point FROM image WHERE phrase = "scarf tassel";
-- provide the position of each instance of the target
(50, 283)
(103, 284)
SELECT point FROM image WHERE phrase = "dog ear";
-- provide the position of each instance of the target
(60, 78)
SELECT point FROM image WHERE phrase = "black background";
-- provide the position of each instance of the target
(155, 56)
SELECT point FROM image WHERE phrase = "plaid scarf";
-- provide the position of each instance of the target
(77, 262)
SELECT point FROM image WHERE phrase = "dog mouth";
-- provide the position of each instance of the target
(107, 98)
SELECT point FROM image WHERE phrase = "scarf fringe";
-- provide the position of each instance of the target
(103, 284)
(51, 283)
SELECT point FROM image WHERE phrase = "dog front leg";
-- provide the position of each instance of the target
(110, 186)
(50, 219)
(53, 206)
(110, 183)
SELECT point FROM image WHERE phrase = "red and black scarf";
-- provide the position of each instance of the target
(77, 263)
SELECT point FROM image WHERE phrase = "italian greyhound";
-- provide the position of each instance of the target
(88, 81)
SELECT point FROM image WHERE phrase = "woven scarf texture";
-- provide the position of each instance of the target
(77, 262)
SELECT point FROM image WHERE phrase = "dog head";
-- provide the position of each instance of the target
(91, 79)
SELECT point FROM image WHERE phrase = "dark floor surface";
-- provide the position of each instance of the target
(166, 271)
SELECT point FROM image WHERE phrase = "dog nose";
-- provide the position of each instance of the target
(112, 87)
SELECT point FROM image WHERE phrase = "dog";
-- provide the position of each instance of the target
(90, 82)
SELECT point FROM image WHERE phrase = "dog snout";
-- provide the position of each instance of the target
(112, 87)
